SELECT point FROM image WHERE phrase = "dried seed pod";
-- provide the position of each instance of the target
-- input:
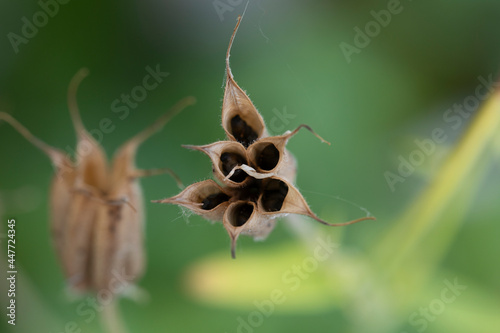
(257, 170)
(225, 156)
(240, 119)
(205, 198)
(97, 212)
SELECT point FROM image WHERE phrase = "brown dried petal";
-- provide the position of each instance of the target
(240, 119)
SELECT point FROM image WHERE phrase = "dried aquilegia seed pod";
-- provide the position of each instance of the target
(256, 170)
(97, 215)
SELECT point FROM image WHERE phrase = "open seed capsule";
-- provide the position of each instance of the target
(205, 198)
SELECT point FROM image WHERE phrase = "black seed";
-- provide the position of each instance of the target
(251, 191)
(268, 157)
(238, 176)
(242, 132)
(241, 214)
(229, 161)
(274, 194)
(213, 200)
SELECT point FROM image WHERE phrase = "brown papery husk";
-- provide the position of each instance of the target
(192, 198)
(237, 103)
(294, 203)
(288, 170)
(214, 151)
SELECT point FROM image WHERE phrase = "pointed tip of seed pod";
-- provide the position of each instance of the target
(233, 253)
(71, 99)
(310, 130)
(84, 71)
(161, 201)
(234, 238)
(190, 100)
(172, 200)
(162, 121)
(233, 247)
(346, 223)
(228, 53)
(192, 147)
(54, 154)
(153, 172)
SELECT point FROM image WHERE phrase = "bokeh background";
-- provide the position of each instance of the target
(440, 224)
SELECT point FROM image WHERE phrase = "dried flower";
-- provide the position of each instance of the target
(256, 169)
(97, 214)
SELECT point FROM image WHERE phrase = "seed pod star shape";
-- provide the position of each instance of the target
(97, 214)
(256, 171)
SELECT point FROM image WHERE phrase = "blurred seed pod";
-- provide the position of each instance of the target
(97, 214)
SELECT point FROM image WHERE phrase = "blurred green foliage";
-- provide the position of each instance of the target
(287, 56)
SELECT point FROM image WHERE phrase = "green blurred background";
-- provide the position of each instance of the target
(287, 56)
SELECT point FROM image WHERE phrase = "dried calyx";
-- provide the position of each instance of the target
(256, 170)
